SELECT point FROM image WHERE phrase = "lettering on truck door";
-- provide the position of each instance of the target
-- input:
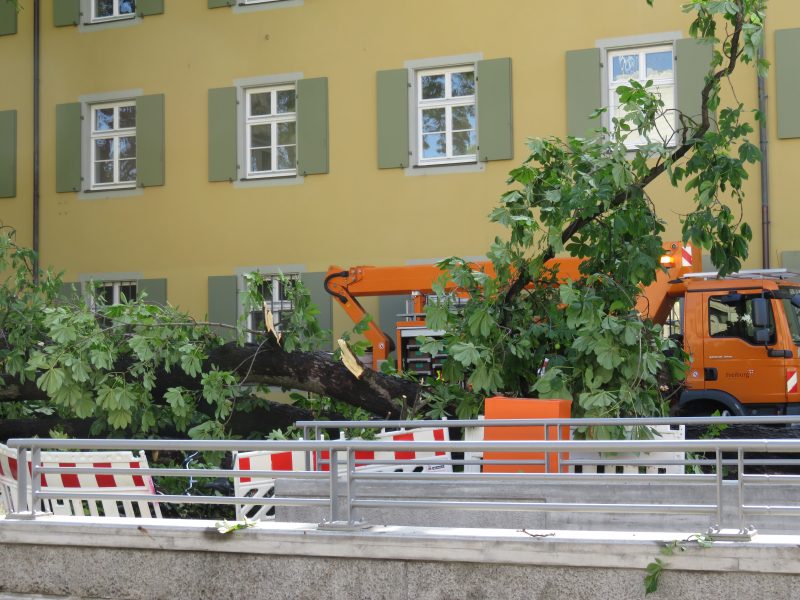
(733, 361)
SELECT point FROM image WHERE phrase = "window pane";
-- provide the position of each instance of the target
(127, 291)
(433, 119)
(104, 149)
(103, 119)
(104, 8)
(433, 146)
(432, 86)
(286, 133)
(464, 143)
(261, 160)
(624, 68)
(104, 172)
(261, 103)
(464, 117)
(463, 84)
(127, 147)
(658, 65)
(105, 293)
(126, 7)
(127, 170)
(127, 116)
(665, 123)
(285, 101)
(260, 135)
(286, 157)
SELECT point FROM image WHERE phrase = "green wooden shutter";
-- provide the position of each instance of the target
(790, 260)
(584, 90)
(787, 81)
(220, 3)
(68, 147)
(8, 153)
(156, 290)
(149, 7)
(315, 283)
(692, 62)
(393, 146)
(150, 140)
(495, 133)
(223, 303)
(388, 308)
(222, 134)
(70, 292)
(66, 12)
(8, 18)
(312, 126)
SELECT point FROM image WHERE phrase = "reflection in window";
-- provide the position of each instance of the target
(648, 63)
(106, 10)
(447, 126)
(271, 131)
(113, 145)
(732, 316)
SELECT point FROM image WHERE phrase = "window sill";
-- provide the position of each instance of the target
(447, 168)
(275, 181)
(109, 193)
(241, 7)
(110, 23)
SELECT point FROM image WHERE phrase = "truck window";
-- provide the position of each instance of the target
(729, 317)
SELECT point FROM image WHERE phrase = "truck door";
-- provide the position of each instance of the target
(733, 361)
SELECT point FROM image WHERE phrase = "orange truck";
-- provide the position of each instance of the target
(741, 332)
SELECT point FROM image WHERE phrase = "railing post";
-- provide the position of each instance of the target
(718, 525)
(24, 509)
(333, 466)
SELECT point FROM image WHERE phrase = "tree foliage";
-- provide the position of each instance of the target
(526, 333)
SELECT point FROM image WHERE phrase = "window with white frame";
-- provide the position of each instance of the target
(275, 291)
(113, 145)
(271, 131)
(109, 293)
(643, 64)
(446, 115)
(109, 10)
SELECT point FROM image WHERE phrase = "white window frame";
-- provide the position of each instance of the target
(113, 134)
(93, 286)
(273, 120)
(278, 305)
(448, 103)
(609, 46)
(116, 15)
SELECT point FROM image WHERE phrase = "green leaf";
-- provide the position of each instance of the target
(465, 353)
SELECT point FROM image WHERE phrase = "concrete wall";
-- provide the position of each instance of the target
(149, 559)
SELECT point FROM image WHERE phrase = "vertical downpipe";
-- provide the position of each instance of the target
(36, 86)
(763, 140)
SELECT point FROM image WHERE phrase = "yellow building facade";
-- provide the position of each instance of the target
(185, 142)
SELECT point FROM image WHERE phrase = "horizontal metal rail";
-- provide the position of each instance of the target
(349, 472)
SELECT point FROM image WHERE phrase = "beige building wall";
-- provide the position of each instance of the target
(190, 228)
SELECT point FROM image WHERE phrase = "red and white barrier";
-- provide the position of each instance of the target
(401, 462)
(95, 483)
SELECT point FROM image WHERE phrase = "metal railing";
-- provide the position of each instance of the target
(346, 499)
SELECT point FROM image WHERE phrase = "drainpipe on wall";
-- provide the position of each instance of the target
(762, 134)
(36, 13)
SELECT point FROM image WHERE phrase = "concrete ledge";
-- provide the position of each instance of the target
(149, 558)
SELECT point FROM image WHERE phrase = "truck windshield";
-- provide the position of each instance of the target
(792, 312)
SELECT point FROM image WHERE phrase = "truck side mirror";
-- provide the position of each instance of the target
(760, 313)
(762, 336)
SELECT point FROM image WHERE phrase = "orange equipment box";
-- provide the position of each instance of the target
(525, 408)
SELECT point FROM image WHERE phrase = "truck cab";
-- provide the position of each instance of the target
(742, 335)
